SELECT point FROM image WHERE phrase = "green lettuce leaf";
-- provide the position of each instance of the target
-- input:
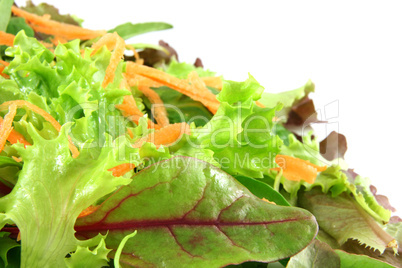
(241, 134)
(84, 257)
(17, 24)
(52, 190)
(343, 218)
(182, 70)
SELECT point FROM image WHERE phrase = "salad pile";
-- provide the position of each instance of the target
(117, 155)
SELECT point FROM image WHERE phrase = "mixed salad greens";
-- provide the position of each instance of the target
(112, 159)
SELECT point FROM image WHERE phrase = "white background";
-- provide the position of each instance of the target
(351, 50)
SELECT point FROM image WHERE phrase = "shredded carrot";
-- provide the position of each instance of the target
(266, 200)
(296, 169)
(136, 55)
(44, 114)
(4, 63)
(158, 109)
(113, 42)
(6, 39)
(213, 81)
(45, 25)
(135, 80)
(3, 74)
(7, 125)
(122, 169)
(87, 211)
(58, 40)
(15, 136)
(204, 96)
(17, 159)
(166, 136)
(130, 110)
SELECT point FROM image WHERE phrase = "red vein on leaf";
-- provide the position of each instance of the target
(180, 245)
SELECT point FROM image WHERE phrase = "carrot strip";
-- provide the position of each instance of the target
(205, 97)
(130, 110)
(6, 39)
(213, 81)
(15, 136)
(122, 169)
(44, 114)
(87, 211)
(113, 42)
(158, 109)
(166, 136)
(296, 169)
(136, 55)
(7, 125)
(45, 25)
(135, 80)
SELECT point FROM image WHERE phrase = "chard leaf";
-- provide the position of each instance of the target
(198, 216)
(128, 30)
(51, 191)
(343, 218)
(352, 260)
(317, 254)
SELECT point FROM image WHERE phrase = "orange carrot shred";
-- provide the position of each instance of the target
(213, 81)
(15, 136)
(6, 39)
(204, 96)
(130, 110)
(136, 55)
(166, 136)
(44, 114)
(122, 169)
(87, 211)
(296, 169)
(158, 109)
(45, 25)
(118, 44)
(7, 125)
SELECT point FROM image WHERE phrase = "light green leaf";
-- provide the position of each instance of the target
(128, 30)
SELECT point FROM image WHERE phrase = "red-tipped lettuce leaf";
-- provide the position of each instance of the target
(188, 212)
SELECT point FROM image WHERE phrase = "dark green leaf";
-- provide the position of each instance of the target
(190, 213)
(262, 190)
(6, 244)
(128, 30)
(17, 24)
(8, 161)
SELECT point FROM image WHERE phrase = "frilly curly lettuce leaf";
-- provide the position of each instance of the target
(334, 180)
(52, 190)
(84, 257)
(343, 218)
(240, 133)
